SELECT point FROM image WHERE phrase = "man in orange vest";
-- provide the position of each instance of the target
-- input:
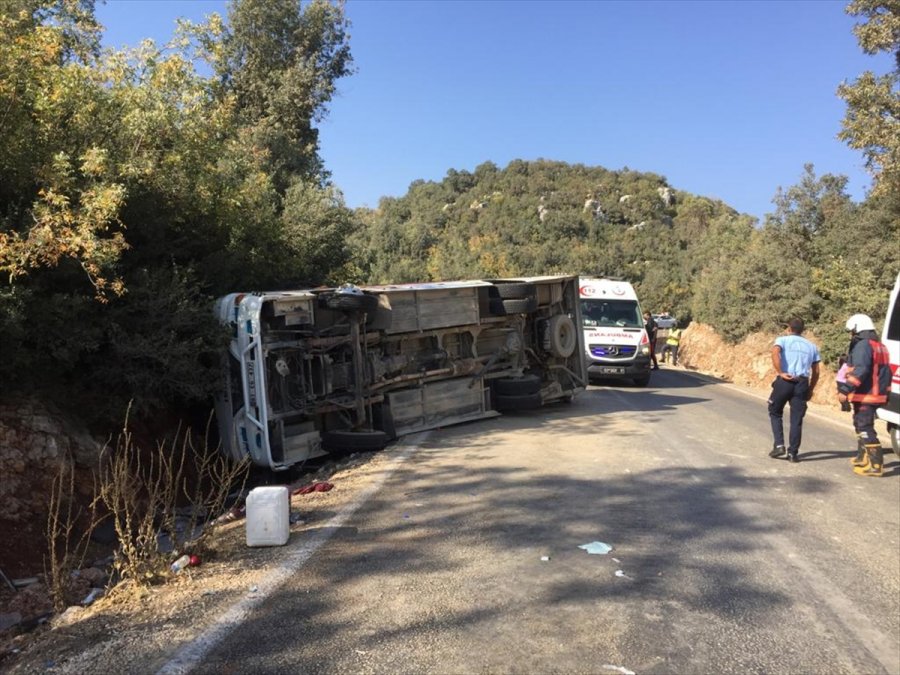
(865, 392)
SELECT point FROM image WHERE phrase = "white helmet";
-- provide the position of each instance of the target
(859, 322)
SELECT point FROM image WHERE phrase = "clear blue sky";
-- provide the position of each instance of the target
(724, 99)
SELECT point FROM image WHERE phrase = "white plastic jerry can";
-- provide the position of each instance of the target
(268, 516)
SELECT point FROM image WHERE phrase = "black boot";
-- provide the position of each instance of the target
(777, 451)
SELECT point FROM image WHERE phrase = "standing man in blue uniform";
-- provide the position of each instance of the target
(796, 362)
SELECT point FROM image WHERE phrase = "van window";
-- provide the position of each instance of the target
(621, 313)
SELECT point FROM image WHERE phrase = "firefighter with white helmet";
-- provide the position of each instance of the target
(866, 390)
(859, 322)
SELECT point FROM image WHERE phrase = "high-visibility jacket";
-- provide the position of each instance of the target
(674, 336)
(866, 359)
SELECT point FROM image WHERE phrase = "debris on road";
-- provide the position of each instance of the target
(597, 548)
(545, 558)
(622, 575)
(320, 486)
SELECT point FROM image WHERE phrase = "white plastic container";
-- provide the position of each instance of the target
(268, 516)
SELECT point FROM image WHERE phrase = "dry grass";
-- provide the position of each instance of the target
(170, 489)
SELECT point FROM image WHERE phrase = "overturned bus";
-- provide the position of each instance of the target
(352, 368)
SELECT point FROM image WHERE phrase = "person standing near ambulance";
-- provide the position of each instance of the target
(865, 392)
(796, 361)
(652, 329)
(673, 339)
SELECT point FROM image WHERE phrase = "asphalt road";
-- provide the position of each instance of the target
(723, 560)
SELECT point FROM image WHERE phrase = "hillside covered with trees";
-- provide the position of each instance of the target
(136, 186)
(819, 255)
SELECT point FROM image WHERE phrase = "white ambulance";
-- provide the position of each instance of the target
(616, 344)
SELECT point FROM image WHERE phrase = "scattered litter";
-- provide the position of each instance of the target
(297, 518)
(236, 513)
(619, 669)
(621, 574)
(208, 593)
(597, 548)
(616, 560)
(184, 532)
(180, 564)
(360, 651)
(93, 595)
(22, 583)
(545, 558)
(253, 589)
(320, 486)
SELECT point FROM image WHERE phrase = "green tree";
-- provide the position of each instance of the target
(281, 65)
(138, 178)
(801, 211)
(872, 122)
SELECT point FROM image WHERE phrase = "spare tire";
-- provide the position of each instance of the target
(563, 338)
(512, 289)
(504, 306)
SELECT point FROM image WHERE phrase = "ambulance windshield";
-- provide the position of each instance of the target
(602, 312)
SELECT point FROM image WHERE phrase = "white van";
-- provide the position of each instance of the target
(616, 344)
(890, 336)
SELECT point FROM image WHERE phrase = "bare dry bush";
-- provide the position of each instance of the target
(171, 489)
(66, 548)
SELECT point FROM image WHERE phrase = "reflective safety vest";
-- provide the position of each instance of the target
(674, 336)
(875, 391)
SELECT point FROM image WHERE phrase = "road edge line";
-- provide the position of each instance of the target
(189, 655)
